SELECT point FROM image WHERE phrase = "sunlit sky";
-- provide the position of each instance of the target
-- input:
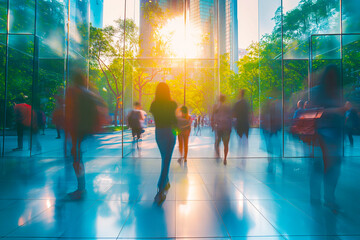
(248, 15)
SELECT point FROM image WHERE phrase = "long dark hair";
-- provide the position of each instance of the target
(162, 92)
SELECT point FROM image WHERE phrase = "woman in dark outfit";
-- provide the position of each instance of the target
(163, 109)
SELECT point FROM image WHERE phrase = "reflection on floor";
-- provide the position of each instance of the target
(200, 146)
(249, 198)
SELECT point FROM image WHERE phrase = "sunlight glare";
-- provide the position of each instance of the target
(173, 33)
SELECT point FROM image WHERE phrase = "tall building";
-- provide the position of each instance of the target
(228, 30)
(201, 17)
(175, 7)
(96, 13)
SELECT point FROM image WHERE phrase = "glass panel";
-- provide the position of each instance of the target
(326, 47)
(351, 14)
(22, 16)
(270, 78)
(2, 88)
(49, 77)
(47, 102)
(79, 25)
(326, 51)
(351, 86)
(201, 95)
(3, 15)
(50, 28)
(19, 91)
(295, 92)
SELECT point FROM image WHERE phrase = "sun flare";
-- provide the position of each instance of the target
(177, 42)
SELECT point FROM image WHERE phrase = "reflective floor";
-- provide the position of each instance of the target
(250, 198)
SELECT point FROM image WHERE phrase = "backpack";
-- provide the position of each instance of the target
(305, 126)
(134, 119)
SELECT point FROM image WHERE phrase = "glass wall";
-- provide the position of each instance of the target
(302, 38)
(41, 48)
(189, 45)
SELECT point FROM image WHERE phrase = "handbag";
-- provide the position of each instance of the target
(304, 126)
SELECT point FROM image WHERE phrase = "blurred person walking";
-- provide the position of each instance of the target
(222, 120)
(26, 119)
(271, 125)
(41, 120)
(195, 125)
(22, 112)
(58, 117)
(184, 126)
(351, 122)
(135, 119)
(85, 114)
(198, 129)
(327, 96)
(163, 109)
(241, 113)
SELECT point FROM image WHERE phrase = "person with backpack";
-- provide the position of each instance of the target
(135, 119)
(184, 126)
(222, 117)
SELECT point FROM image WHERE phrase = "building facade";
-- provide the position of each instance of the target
(228, 30)
(96, 13)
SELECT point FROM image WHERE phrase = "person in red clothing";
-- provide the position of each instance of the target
(22, 113)
(85, 114)
(184, 125)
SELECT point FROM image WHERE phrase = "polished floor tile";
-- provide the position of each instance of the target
(250, 198)
(242, 219)
(198, 219)
(147, 220)
(104, 219)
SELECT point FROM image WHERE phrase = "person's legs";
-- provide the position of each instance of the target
(330, 144)
(217, 143)
(226, 139)
(331, 178)
(58, 132)
(166, 142)
(351, 139)
(20, 135)
(78, 163)
(186, 143)
(35, 138)
(247, 133)
(181, 144)
(138, 135)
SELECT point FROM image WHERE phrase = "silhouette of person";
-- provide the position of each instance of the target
(327, 95)
(135, 118)
(82, 117)
(300, 109)
(22, 112)
(351, 122)
(184, 125)
(222, 117)
(163, 109)
(241, 113)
